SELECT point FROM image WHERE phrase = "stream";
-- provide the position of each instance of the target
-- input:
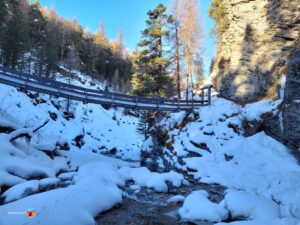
(147, 207)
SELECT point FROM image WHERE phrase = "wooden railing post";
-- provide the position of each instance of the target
(86, 96)
(136, 102)
(112, 100)
(209, 95)
(202, 96)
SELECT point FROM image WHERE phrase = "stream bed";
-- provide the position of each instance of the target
(147, 207)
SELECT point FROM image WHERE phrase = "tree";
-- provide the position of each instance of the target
(151, 74)
(199, 72)
(51, 46)
(120, 45)
(37, 32)
(190, 33)
(16, 38)
(175, 51)
(146, 120)
(3, 20)
(33, 37)
(100, 36)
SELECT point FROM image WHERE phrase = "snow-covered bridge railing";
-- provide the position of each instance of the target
(47, 86)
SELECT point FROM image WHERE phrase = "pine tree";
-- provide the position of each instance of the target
(152, 76)
(16, 37)
(37, 32)
(3, 20)
(51, 48)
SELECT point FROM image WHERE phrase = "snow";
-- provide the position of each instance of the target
(103, 130)
(251, 206)
(95, 187)
(6, 123)
(22, 162)
(283, 221)
(21, 190)
(144, 178)
(254, 110)
(176, 199)
(259, 167)
(72, 187)
(75, 204)
(48, 182)
(196, 206)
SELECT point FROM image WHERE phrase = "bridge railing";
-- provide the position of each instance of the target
(48, 86)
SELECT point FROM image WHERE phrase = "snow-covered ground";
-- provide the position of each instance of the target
(102, 130)
(67, 186)
(262, 177)
(72, 186)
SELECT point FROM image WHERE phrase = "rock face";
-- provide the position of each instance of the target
(291, 104)
(253, 50)
(259, 46)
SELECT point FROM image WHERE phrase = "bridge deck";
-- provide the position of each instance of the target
(47, 86)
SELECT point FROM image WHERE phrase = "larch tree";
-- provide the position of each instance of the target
(190, 33)
(175, 52)
(199, 72)
(120, 45)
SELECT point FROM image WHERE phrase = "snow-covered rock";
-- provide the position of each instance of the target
(196, 206)
(176, 199)
(144, 178)
(251, 206)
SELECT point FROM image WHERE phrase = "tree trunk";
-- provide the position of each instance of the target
(177, 69)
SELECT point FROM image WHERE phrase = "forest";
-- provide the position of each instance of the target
(38, 41)
(167, 60)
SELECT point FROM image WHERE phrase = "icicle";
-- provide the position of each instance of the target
(282, 86)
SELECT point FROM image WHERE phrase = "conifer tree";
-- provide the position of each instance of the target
(3, 17)
(16, 38)
(151, 74)
(37, 32)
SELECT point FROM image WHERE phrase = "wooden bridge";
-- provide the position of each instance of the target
(47, 86)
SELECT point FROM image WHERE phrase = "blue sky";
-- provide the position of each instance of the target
(126, 15)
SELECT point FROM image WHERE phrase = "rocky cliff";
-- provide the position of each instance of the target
(258, 52)
(253, 46)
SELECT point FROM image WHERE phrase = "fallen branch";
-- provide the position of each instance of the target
(40, 126)
(25, 132)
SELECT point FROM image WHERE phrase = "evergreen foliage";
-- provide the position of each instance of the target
(36, 40)
(151, 77)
